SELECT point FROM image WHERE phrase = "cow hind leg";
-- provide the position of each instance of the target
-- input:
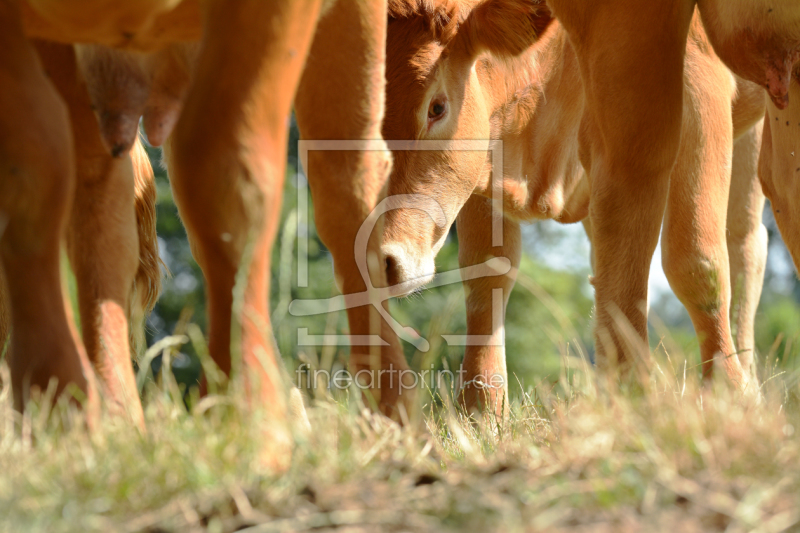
(102, 239)
(630, 135)
(227, 159)
(694, 248)
(103, 249)
(36, 188)
(484, 378)
(747, 244)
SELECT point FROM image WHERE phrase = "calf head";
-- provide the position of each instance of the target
(435, 52)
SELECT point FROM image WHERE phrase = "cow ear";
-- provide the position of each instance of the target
(504, 27)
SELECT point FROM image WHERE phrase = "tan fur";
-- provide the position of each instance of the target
(171, 74)
(145, 26)
(119, 87)
(760, 41)
(747, 242)
(101, 237)
(37, 144)
(344, 76)
(537, 105)
(439, 18)
(630, 140)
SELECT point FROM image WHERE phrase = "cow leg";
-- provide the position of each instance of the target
(227, 162)
(102, 238)
(630, 136)
(587, 227)
(694, 248)
(483, 373)
(779, 169)
(341, 97)
(747, 244)
(36, 188)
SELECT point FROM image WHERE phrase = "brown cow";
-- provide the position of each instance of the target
(124, 85)
(226, 157)
(631, 57)
(453, 73)
(97, 279)
(115, 198)
(760, 41)
(116, 267)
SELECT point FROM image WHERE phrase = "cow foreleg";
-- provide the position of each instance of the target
(483, 375)
(227, 162)
(341, 98)
(102, 239)
(630, 136)
(747, 244)
(37, 182)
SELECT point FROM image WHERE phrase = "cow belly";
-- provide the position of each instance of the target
(143, 25)
(763, 59)
(758, 39)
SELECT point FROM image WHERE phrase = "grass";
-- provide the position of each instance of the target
(678, 457)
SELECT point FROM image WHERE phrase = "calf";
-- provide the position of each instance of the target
(504, 70)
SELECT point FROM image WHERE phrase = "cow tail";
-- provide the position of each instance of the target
(147, 283)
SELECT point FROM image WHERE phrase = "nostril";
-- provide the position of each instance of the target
(391, 270)
(118, 150)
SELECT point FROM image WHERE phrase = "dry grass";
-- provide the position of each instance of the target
(678, 458)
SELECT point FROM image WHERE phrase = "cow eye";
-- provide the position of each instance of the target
(437, 108)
